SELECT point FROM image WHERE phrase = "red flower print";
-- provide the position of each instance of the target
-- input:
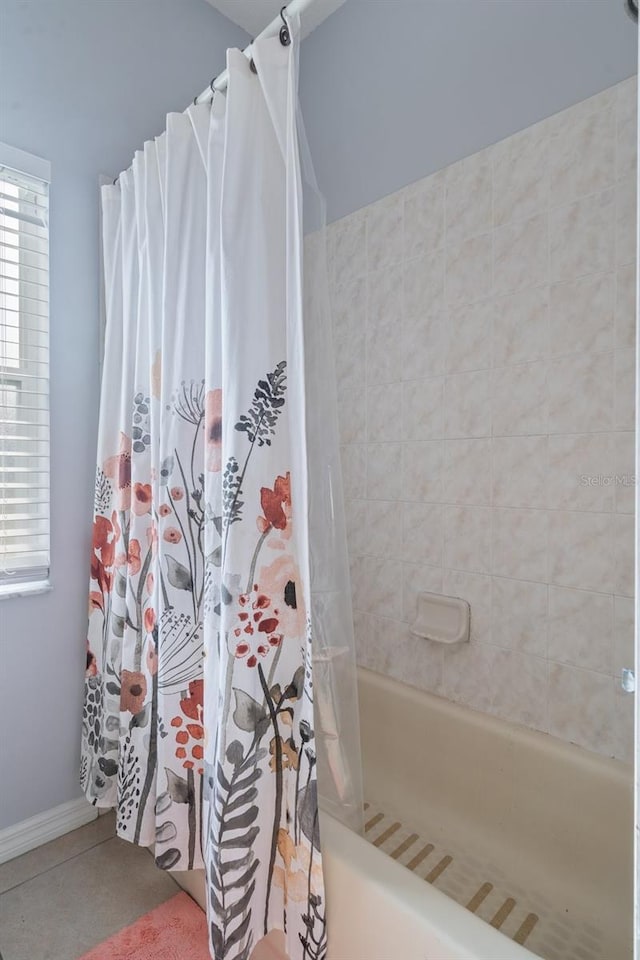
(256, 628)
(164, 510)
(276, 504)
(96, 601)
(118, 469)
(104, 540)
(191, 706)
(177, 493)
(149, 583)
(133, 691)
(92, 666)
(141, 498)
(133, 557)
(281, 581)
(172, 535)
(213, 430)
(149, 619)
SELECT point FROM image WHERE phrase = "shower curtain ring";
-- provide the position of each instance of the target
(285, 35)
(212, 87)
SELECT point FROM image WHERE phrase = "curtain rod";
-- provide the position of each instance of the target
(272, 29)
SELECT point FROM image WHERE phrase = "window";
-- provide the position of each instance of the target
(24, 371)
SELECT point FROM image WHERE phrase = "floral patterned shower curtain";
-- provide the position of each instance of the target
(199, 721)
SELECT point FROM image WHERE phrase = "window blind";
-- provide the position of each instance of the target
(24, 378)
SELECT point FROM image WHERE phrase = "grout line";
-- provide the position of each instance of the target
(60, 863)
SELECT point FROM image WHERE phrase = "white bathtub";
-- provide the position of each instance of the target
(535, 834)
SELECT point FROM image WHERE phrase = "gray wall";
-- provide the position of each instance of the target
(82, 83)
(393, 90)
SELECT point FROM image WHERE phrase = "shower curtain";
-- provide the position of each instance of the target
(206, 618)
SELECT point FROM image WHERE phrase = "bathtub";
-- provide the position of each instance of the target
(483, 841)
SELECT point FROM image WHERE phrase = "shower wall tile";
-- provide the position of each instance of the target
(577, 468)
(582, 315)
(383, 411)
(468, 270)
(467, 471)
(582, 156)
(581, 628)
(468, 197)
(624, 464)
(467, 408)
(519, 399)
(582, 551)
(520, 541)
(484, 329)
(625, 315)
(519, 471)
(416, 331)
(384, 471)
(519, 615)
(521, 255)
(385, 233)
(467, 538)
(521, 176)
(582, 236)
(626, 128)
(626, 198)
(422, 409)
(521, 327)
(424, 216)
(581, 707)
(589, 408)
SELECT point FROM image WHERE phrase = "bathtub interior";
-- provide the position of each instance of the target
(530, 834)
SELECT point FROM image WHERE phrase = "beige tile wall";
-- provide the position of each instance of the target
(484, 324)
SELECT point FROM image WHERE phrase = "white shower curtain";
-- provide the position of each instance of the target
(199, 723)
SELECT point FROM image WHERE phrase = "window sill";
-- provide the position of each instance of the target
(10, 590)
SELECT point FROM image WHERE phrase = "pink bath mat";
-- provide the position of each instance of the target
(176, 930)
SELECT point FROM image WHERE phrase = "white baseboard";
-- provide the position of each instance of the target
(46, 826)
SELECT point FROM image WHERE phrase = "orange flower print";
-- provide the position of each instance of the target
(293, 879)
(141, 498)
(213, 430)
(152, 536)
(172, 535)
(134, 558)
(276, 504)
(164, 510)
(152, 658)
(133, 691)
(190, 736)
(118, 469)
(149, 619)
(177, 493)
(289, 755)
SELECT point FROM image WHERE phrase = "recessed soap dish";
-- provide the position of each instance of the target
(442, 619)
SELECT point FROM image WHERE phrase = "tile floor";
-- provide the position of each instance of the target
(60, 900)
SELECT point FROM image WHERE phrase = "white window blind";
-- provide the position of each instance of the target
(24, 370)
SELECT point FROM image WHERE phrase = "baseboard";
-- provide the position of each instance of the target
(35, 831)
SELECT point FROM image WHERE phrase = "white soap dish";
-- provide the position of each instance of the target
(442, 619)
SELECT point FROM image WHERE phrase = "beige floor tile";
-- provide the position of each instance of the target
(62, 913)
(52, 854)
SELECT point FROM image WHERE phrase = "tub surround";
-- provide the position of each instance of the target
(484, 323)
